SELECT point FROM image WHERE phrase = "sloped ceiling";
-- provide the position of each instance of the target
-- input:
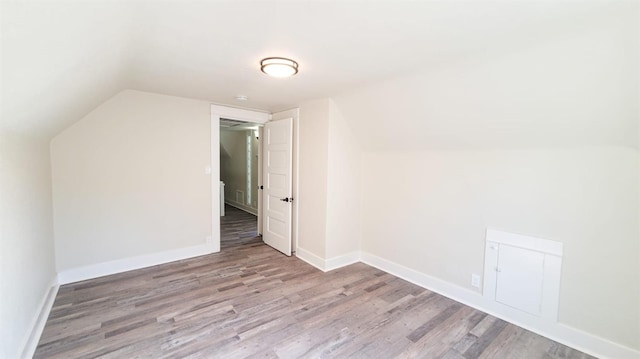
(62, 59)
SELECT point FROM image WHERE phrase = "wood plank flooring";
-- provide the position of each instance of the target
(237, 227)
(250, 301)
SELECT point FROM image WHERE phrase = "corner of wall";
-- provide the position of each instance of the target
(132, 263)
(32, 337)
(344, 174)
(329, 264)
(312, 176)
(27, 237)
(142, 135)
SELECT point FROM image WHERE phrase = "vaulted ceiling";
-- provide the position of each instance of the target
(61, 59)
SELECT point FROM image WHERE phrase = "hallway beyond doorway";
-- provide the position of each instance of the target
(237, 227)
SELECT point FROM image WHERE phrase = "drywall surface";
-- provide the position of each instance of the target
(432, 208)
(313, 147)
(129, 179)
(26, 237)
(579, 89)
(88, 56)
(539, 139)
(343, 187)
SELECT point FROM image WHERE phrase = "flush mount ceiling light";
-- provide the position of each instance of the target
(278, 67)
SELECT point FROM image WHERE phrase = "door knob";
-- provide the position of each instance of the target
(287, 199)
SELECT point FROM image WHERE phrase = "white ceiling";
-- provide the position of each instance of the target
(62, 59)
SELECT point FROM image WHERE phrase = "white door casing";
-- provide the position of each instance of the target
(277, 182)
(218, 112)
(259, 184)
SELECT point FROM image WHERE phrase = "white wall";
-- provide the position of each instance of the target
(312, 172)
(330, 193)
(129, 180)
(27, 267)
(539, 139)
(431, 210)
(88, 47)
(577, 89)
(343, 187)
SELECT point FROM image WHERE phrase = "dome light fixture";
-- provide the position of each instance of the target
(278, 67)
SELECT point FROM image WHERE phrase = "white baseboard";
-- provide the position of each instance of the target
(330, 264)
(310, 258)
(242, 207)
(122, 265)
(558, 332)
(572, 337)
(341, 261)
(30, 342)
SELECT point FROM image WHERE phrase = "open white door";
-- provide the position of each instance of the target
(277, 191)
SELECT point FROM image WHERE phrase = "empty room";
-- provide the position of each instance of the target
(320, 179)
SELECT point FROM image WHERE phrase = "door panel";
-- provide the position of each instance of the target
(277, 184)
(277, 181)
(520, 276)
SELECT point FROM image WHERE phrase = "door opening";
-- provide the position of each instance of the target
(242, 117)
(239, 182)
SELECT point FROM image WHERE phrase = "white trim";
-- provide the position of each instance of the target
(240, 114)
(341, 261)
(215, 182)
(260, 184)
(296, 178)
(552, 267)
(32, 337)
(241, 207)
(310, 258)
(330, 264)
(558, 332)
(433, 284)
(526, 242)
(122, 265)
(561, 333)
(231, 113)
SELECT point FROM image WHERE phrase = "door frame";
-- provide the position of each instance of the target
(231, 113)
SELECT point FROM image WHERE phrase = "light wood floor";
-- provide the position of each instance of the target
(237, 228)
(251, 301)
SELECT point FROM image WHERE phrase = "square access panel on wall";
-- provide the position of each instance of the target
(523, 272)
